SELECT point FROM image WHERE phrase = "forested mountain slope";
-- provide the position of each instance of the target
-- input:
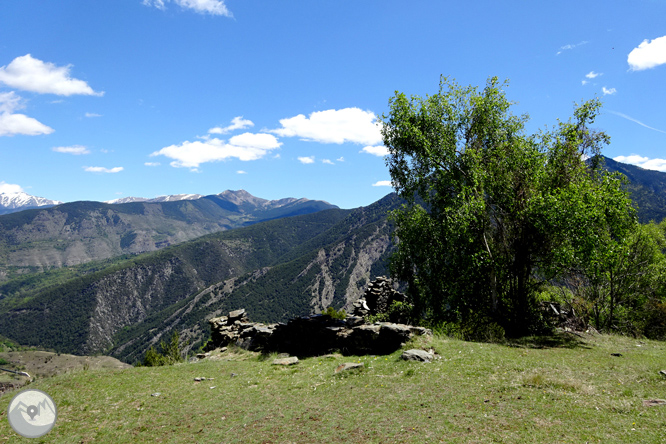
(82, 315)
(79, 232)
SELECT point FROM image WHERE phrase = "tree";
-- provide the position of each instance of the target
(492, 213)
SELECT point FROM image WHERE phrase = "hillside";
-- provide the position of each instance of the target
(562, 389)
(646, 187)
(331, 269)
(79, 232)
(86, 311)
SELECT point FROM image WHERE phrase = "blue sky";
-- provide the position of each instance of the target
(115, 98)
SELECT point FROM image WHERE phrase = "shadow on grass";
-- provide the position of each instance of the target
(555, 340)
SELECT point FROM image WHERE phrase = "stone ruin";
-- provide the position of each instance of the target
(378, 297)
(314, 335)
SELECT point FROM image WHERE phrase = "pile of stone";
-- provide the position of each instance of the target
(312, 335)
(377, 298)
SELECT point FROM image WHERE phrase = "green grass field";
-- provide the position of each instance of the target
(557, 390)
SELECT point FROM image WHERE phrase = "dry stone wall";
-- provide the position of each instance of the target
(312, 335)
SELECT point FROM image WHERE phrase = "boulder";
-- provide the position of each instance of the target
(416, 355)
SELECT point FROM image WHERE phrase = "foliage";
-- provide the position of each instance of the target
(492, 213)
(333, 313)
(623, 287)
(170, 353)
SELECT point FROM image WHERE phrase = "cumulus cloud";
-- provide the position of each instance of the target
(327, 161)
(246, 146)
(30, 74)
(12, 123)
(236, 123)
(608, 91)
(382, 183)
(77, 150)
(376, 150)
(306, 160)
(89, 115)
(648, 54)
(241, 172)
(151, 164)
(213, 7)
(333, 126)
(643, 162)
(340, 159)
(593, 75)
(103, 170)
(10, 188)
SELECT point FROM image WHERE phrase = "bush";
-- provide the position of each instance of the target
(330, 311)
(170, 353)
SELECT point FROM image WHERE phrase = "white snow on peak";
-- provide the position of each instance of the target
(21, 199)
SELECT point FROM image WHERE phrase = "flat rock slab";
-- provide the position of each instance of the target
(286, 361)
(348, 366)
(662, 373)
(416, 355)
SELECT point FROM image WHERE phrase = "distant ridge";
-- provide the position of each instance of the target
(79, 232)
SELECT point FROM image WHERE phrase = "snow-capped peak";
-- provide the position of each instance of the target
(22, 200)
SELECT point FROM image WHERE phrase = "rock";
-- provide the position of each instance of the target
(235, 315)
(156, 394)
(348, 366)
(286, 361)
(416, 355)
(315, 335)
(654, 402)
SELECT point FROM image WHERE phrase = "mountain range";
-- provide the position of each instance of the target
(78, 232)
(282, 259)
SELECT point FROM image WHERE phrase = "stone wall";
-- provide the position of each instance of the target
(312, 335)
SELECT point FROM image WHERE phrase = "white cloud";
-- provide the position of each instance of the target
(75, 149)
(333, 126)
(643, 162)
(306, 160)
(376, 150)
(30, 74)
(592, 75)
(382, 183)
(236, 123)
(327, 161)
(241, 172)
(89, 115)
(9, 188)
(624, 116)
(151, 164)
(246, 146)
(12, 124)
(607, 91)
(570, 46)
(340, 159)
(103, 170)
(648, 54)
(213, 7)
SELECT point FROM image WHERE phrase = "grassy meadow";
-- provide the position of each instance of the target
(563, 389)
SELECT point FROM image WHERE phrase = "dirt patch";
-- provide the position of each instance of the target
(45, 364)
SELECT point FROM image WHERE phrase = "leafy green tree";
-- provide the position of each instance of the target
(625, 282)
(493, 213)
